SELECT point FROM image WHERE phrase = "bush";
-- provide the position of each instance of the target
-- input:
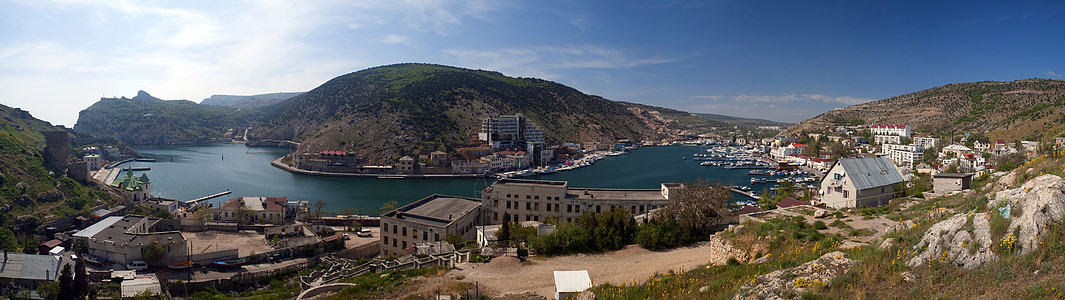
(820, 225)
(661, 236)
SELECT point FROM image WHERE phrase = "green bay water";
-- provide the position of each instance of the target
(191, 171)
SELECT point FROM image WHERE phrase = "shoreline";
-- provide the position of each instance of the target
(277, 164)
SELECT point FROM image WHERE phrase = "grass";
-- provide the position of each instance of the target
(382, 285)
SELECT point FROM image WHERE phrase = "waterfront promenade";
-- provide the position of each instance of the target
(278, 164)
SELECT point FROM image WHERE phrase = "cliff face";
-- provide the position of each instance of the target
(147, 120)
(386, 112)
(1029, 109)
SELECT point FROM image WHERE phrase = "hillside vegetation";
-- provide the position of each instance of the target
(253, 100)
(1030, 109)
(148, 120)
(385, 112)
(30, 192)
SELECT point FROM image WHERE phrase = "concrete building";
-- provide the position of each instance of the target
(123, 239)
(860, 182)
(783, 152)
(515, 131)
(926, 142)
(262, 210)
(94, 161)
(30, 270)
(898, 130)
(950, 182)
(537, 200)
(956, 150)
(904, 155)
(887, 139)
(136, 188)
(430, 219)
(569, 283)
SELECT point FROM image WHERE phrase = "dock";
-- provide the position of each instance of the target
(115, 164)
(145, 159)
(138, 169)
(208, 197)
(748, 194)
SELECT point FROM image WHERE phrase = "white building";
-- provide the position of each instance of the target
(899, 130)
(926, 142)
(957, 150)
(887, 139)
(860, 182)
(510, 131)
(904, 155)
(783, 152)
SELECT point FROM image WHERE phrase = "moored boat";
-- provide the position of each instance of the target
(230, 263)
(180, 264)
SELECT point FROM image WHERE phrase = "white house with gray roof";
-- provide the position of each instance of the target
(860, 182)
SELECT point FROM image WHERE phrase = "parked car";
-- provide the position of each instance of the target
(137, 265)
(363, 232)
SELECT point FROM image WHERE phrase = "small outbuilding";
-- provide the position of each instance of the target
(950, 182)
(569, 283)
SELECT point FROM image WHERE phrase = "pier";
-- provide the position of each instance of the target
(748, 194)
(138, 169)
(115, 164)
(207, 197)
(145, 159)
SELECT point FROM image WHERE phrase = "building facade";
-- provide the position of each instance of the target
(950, 182)
(123, 239)
(431, 219)
(261, 210)
(537, 200)
(898, 130)
(926, 142)
(504, 132)
(136, 188)
(860, 182)
(904, 155)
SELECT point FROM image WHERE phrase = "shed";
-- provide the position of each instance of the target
(569, 283)
(950, 182)
(43, 248)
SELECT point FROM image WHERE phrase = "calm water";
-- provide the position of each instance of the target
(189, 172)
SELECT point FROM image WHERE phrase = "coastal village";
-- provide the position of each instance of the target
(162, 246)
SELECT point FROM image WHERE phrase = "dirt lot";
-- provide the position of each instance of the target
(507, 275)
(246, 241)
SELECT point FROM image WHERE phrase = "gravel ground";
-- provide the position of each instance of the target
(507, 275)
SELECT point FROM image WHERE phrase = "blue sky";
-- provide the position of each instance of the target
(778, 60)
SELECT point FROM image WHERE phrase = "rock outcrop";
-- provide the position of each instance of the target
(1040, 202)
(964, 240)
(816, 273)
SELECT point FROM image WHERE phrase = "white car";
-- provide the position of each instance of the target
(138, 265)
(363, 232)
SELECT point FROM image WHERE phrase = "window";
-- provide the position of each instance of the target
(425, 237)
(386, 240)
(495, 216)
(393, 242)
(394, 230)
(508, 204)
(536, 197)
(436, 237)
(632, 210)
(881, 190)
(569, 208)
(536, 218)
(568, 220)
(598, 209)
(404, 234)
(414, 233)
(536, 206)
(404, 244)
(527, 197)
(577, 209)
(508, 195)
(527, 218)
(495, 203)
(528, 205)
(845, 194)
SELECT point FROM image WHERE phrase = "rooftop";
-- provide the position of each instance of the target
(31, 266)
(572, 281)
(953, 175)
(870, 172)
(615, 194)
(96, 228)
(436, 210)
(531, 182)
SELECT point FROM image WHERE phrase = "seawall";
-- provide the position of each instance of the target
(277, 164)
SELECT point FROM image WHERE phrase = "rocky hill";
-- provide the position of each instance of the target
(1030, 109)
(253, 100)
(30, 192)
(743, 121)
(144, 119)
(385, 112)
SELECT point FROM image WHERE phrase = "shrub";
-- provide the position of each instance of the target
(820, 225)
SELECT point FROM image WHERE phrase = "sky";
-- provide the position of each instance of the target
(779, 60)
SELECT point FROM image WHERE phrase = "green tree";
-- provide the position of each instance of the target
(81, 279)
(8, 242)
(49, 290)
(387, 207)
(244, 214)
(153, 253)
(504, 230)
(66, 284)
(699, 207)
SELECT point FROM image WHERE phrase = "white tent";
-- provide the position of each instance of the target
(569, 283)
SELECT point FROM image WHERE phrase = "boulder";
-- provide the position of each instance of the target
(956, 240)
(888, 243)
(1040, 202)
(820, 213)
(817, 273)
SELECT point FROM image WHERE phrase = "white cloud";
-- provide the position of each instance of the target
(786, 98)
(397, 39)
(1052, 74)
(545, 61)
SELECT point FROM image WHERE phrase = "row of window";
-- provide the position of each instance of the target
(571, 208)
(414, 233)
(531, 197)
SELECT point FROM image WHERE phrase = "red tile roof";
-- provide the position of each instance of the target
(789, 202)
(749, 209)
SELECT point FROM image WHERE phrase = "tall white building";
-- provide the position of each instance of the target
(899, 130)
(904, 155)
(926, 142)
(510, 131)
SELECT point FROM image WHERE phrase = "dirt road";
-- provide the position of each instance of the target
(505, 275)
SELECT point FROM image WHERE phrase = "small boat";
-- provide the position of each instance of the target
(180, 264)
(230, 263)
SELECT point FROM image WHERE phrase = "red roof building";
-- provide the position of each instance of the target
(789, 202)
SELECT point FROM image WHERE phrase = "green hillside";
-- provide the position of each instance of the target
(389, 111)
(30, 193)
(148, 120)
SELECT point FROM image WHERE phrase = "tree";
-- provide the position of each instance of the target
(66, 284)
(504, 230)
(699, 207)
(203, 215)
(387, 207)
(318, 205)
(244, 214)
(153, 253)
(81, 279)
(8, 242)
